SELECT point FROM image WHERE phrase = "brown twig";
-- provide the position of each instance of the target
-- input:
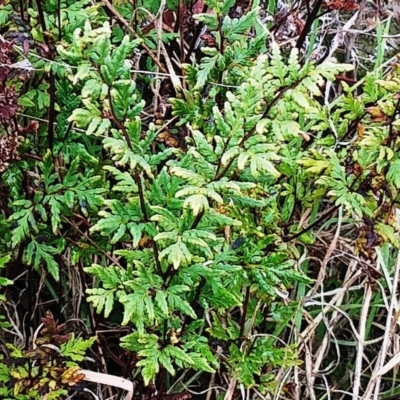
(124, 22)
(114, 261)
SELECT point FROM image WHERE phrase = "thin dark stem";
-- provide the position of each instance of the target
(50, 132)
(195, 36)
(353, 127)
(312, 16)
(308, 6)
(83, 280)
(59, 20)
(195, 299)
(179, 25)
(197, 220)
(77, 229)
(309, 227)
(243, 318)
(220, 158)
(169, 276)
(138, 181)
(220, 75)
(68, 131)
(42, 20)
(118, 123)
(21, 10)
(52, 111)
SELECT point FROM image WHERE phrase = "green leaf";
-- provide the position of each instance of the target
(82, 72)
(393, 174)
(124, 155)
(229, 155)
(204, 71)
(177, 253)
(125, 182)
(161, 301)
(315, 166)
(388, 233)
(176, 302)
(136, 230)
(234, 29)
(5, 12)
(102, 299)
(25, 101)
(5, 282)
(25, 222)
(110, 276)
(179, 354)
(210, 20)
(4, 260)
(260, 163)
(191, 177)
(36, 253)
(197, 203)
(138, 307)
(149, 370)
(201, 363)
(75, 349)
(165, 361)
(83, 117)
(165, 218)
(55, 209)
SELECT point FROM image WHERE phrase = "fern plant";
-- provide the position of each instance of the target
(192, 242)
(197, 233)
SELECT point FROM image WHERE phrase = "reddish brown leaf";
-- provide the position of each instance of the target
(341, 5)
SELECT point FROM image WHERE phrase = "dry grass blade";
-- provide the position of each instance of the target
(373, 388)
(308, 332)
(231, 388)
(109, 380)
(360, 343)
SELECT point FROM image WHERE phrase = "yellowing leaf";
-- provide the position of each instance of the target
(197, 203)
(229, 155)
(314, 166)
(176, 254)
(242, 159)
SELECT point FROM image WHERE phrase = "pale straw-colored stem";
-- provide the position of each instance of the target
(109, 380)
